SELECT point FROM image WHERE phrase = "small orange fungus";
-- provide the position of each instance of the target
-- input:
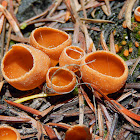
(25, 67)
(61, 80)
(126, 53)
(51, 41)
(130, 49)
(78, 132)
(9, 133)
(137, 44)
(137, 13)
(106, 70)
(116, 48)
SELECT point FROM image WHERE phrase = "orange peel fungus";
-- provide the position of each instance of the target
(25, 67)
(105, 70)
(9, 133)
(61, 80)
(71, 55)
(51, 41)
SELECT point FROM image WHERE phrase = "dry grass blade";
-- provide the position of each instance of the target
(83, 8)
(76, 33)
(93, 4)
(112, 45)
(50, 132)
(124, 96)
(81, 108)
(13, 119)
(19, 39)
(133, 85)
(108, 7)
(100, 121)
(117, 108)
(40, 131)
(122, 11)
(88, 20)
(81, 40)
(134, 66)
(128, 13)
(127, 112)
(4, 4)
(1, 85)
(88, 100)
(58, 2)
(61, 125)
(112, 128)
(45, 112)
(25, 108)
(103, 43)
(89, 43)
(11, 21)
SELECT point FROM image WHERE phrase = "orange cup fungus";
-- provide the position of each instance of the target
(9, 133)
(60, 79)
(78, 132)
(25, 67)
(137, 13)
(51, 41)
(105, 70)
(71, 55)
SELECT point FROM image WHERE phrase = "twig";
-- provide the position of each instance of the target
(11, 21)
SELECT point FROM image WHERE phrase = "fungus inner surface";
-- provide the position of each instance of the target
(74, 53)
(17, 62)
(50, 38)
(106, 64)
(61, 77)
(7, 134)
(138, 10)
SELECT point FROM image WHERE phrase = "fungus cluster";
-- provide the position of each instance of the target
(26, 67)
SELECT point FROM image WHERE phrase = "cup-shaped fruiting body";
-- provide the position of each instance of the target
(107, 71)
(51, 41)
(71, 55)
(9, 133)
(78, 132)
(25, 67)
(137, 13)
(61, 80)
